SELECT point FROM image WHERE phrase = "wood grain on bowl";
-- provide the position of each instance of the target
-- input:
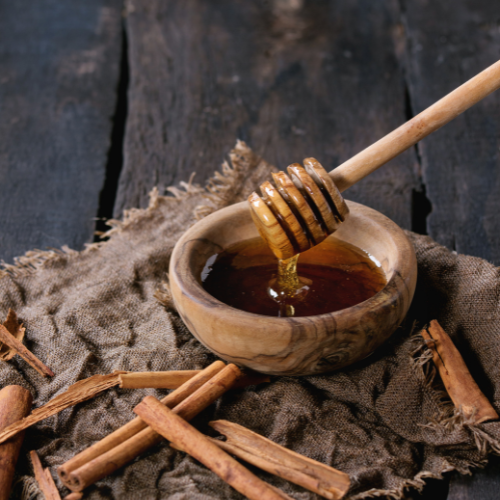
(301, 345)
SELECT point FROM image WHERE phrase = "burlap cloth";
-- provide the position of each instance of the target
(383, 421)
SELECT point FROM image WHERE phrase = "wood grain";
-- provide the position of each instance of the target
(482, 485)
(449, 42)
(59, 66)
(321, 80)
(323, 222)
(304, 345)
(293, 79)
(446, 109)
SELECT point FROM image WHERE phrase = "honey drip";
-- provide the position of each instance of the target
(288, 287)
(331, 276)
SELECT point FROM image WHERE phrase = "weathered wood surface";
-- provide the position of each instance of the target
(483, 484)
(323, 79)
(59, 65)
(292, 78)
(320, 79)
(449, 42)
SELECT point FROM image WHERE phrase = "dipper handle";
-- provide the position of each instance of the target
(306, 206)
(420, 126)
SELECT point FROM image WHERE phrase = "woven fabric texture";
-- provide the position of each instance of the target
(385, 421)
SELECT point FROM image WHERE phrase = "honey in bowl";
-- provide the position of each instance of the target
(333, 275)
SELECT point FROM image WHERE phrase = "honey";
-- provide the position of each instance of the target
(331, 276)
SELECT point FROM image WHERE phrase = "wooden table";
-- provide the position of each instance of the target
(101, 101)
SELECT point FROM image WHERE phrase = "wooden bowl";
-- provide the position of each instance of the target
(293, 346)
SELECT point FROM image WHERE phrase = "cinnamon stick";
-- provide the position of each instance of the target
(44, 478)
(76, 393)
(16, 330)
(156, 380)
(15, 403)
(177, 430)
(174, 379)
(461, 387)
(105, 464)
(135, 426)
(287, 464)
(28, 356)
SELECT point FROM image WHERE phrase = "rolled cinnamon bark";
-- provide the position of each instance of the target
(271, 457)
(27, 355)
(15, 404)
(44, 478)
(7, 338)
(17, 330)
(156, 380)
(461, 387)
(137, 425)
(177, 430)
(76, 393)
(174, 379)
(110, 461)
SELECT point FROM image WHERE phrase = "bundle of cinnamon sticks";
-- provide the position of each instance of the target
(172, 415)
(193, 391)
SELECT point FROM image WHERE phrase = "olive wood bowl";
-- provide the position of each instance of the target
(305, 345)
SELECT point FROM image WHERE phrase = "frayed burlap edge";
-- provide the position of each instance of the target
(448, 419)
(223, 189)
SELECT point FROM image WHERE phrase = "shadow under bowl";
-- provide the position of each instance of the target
(305, 345)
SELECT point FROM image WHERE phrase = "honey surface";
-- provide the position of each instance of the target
(334, 275)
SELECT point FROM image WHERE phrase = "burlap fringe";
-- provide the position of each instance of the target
(220, 191)
(33, 260)
(31, 488)
(223, 187)
(448, 419)
(134, 216)
(418, 483)
(426, 372)
(164, 295)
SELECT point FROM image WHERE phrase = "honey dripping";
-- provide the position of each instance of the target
(331, 276)
(288, 287)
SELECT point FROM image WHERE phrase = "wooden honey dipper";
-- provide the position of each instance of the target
(306, 206)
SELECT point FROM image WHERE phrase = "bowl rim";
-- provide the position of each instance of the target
(194, 291)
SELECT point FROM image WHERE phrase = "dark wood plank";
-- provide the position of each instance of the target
(449, 42)
(292, 78)
(59, 65)
(484, 484)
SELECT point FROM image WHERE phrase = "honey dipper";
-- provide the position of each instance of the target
(306, 206)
